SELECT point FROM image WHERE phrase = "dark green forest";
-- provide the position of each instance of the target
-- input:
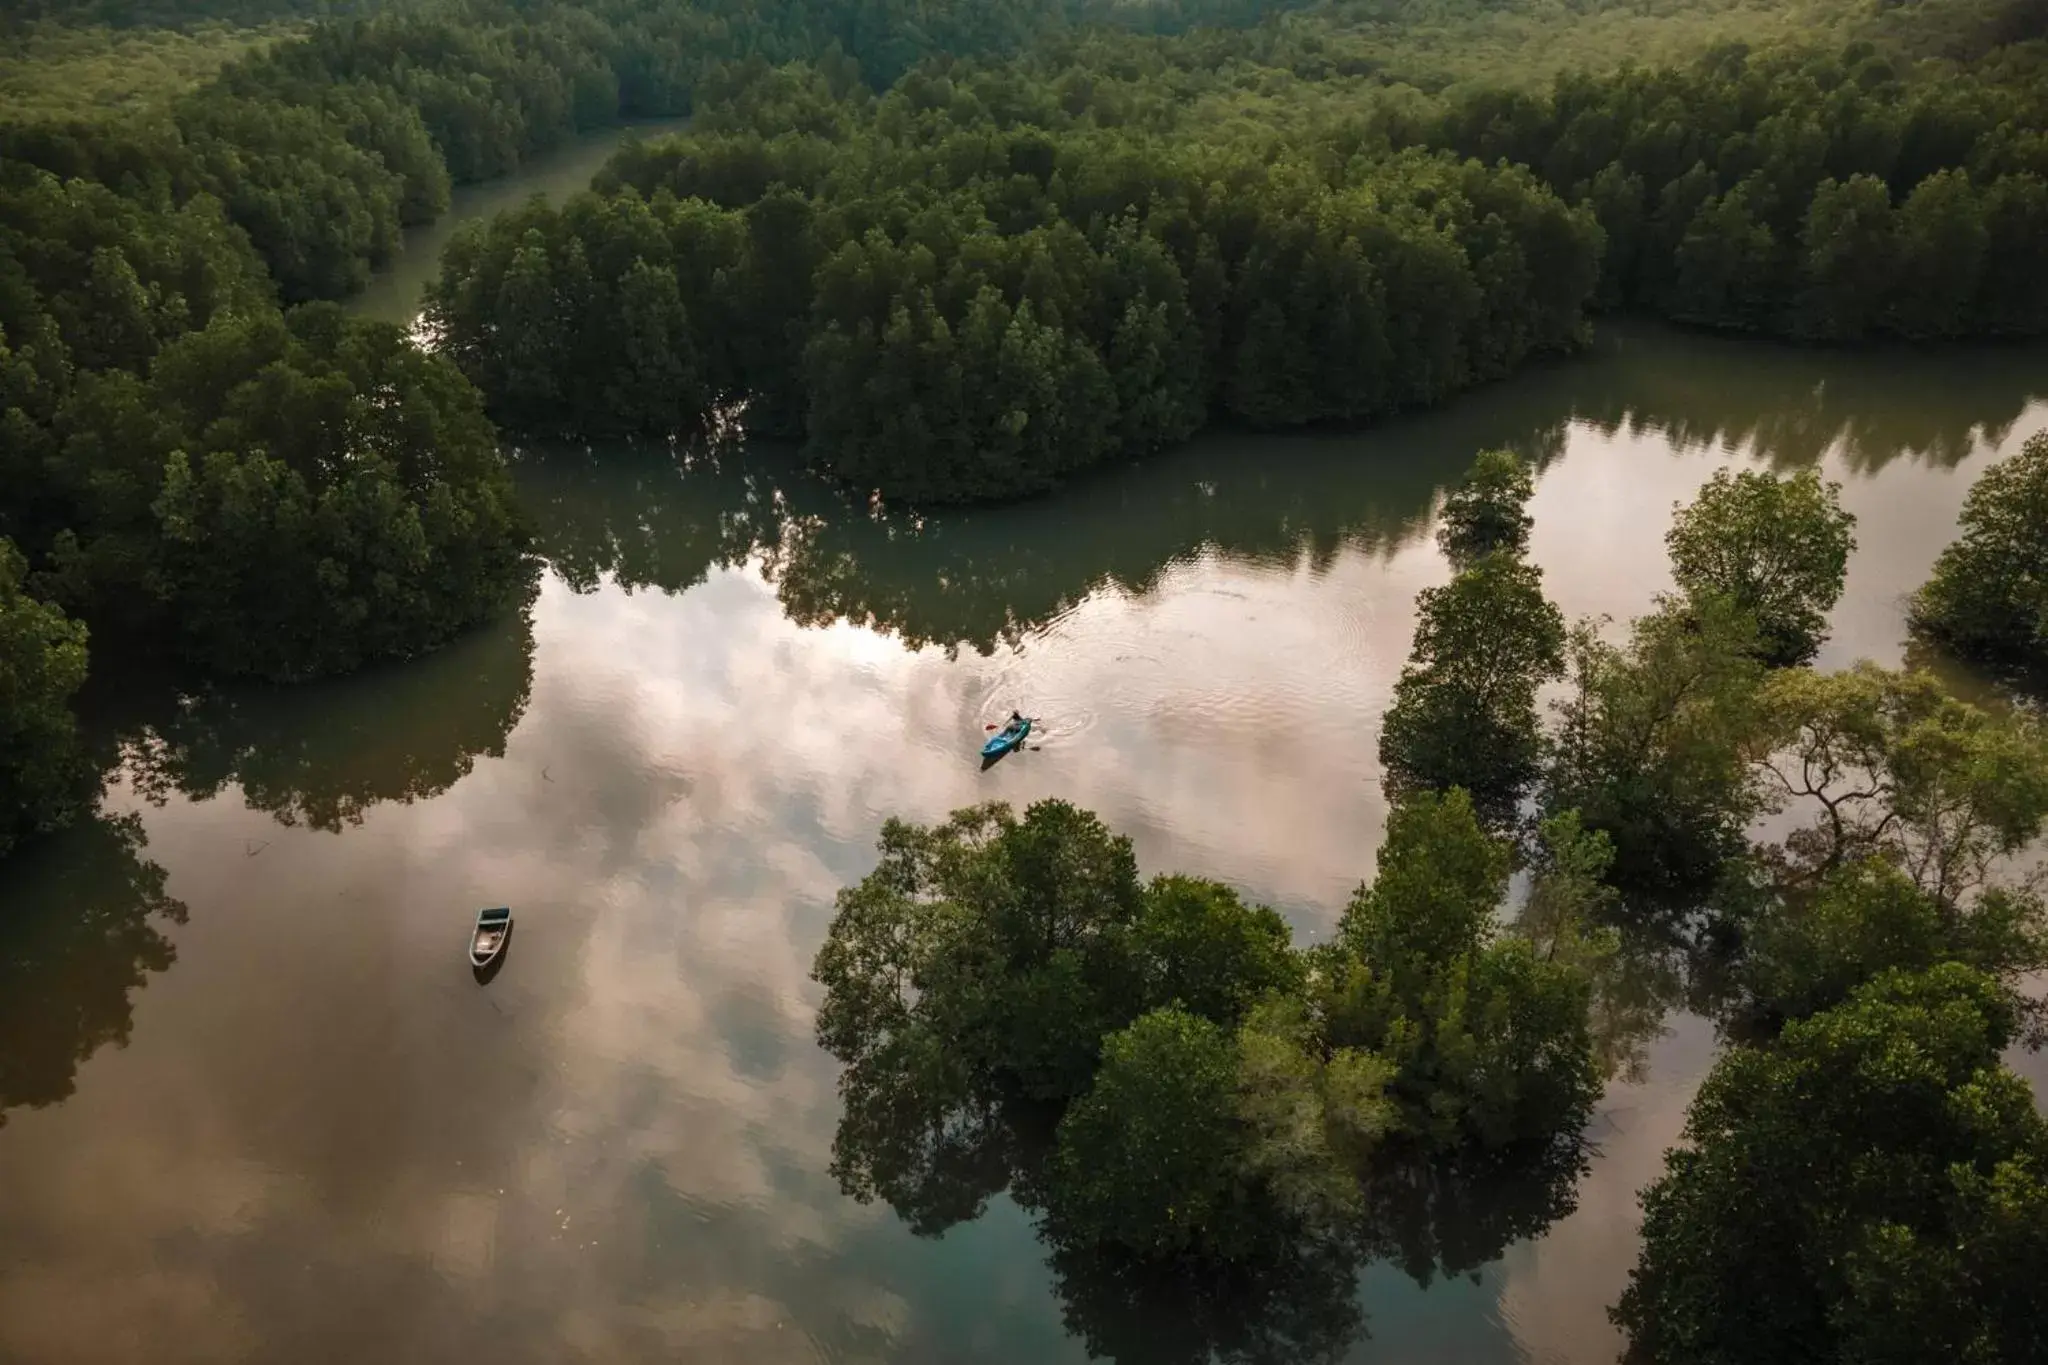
(995, 273)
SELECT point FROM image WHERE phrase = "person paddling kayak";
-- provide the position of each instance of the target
(1011, 736)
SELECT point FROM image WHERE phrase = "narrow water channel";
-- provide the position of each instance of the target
(253, 1106)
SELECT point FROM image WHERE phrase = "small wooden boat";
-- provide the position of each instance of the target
(493, 927)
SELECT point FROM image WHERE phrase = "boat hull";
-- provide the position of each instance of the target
(1006, 741)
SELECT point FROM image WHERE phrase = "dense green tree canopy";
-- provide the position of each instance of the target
(952, 307)
(1868, 1187)
(1807, 952)
(1654, 744)
(1777, 549)
(1464, 712)
(1186, 1101)
(43, 773)
(1988, 597)
(1487, 512)
(1488, 1039)
(1890, 765)
(285, 497)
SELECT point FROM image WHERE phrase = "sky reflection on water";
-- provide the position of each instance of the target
(321, 1141)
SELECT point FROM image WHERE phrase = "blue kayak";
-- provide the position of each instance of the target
(1007, 739)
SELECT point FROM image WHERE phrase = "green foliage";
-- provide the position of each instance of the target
(1868, 1187)
(1488, 1040)
(953, 301)
(1149, 1157)
(1487, 511)
(1654, 745)
(1988, 597)
(1154, 1069)
(53, 72)
(43, 772)
(1824, 195)
(327, 494)
(1197, 946)
(994, 946)
(1464, 711)
(1778, 549)
(1891, 766)
(1807, 953)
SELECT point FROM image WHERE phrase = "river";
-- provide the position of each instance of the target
(253, 1106)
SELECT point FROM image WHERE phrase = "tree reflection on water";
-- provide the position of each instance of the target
(78, 936)
(653, 516)
(937, 1153)
(323, 754)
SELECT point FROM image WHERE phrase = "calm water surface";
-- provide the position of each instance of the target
(256, 1109)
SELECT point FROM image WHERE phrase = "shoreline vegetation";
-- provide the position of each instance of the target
(965, 256)
(1181, 1096)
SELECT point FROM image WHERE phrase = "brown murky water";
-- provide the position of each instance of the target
(256, 1108)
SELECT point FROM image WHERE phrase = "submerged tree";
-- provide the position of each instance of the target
(1488, 511)
(1655, 744)
(1890, 765)
(1191, 1106)
(1489, 1040)
(1808, 951)
(1988, 597)
(1870, 1186)
(1464, 712)
(1778, 549)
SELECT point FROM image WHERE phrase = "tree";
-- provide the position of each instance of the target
(1654, 746)
(999, 947)
(1198, 947)
(1149, 1158)
(1870, 1187)
(1805, 953)
(1464, 712)
(1486, 513)
(44, 777)
(1988, 596)
(1891, 766)
(1573, 917)
(339, 497)
(1488, 1042)
(1777, 548)
(1850, 258)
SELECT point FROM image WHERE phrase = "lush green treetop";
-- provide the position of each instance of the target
(1487, 512)
(1890, 765)
(1988, 597)
(1777, 549)
(1871, 1186)
(1464, 712)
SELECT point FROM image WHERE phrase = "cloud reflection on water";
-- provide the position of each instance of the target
(324, 1142)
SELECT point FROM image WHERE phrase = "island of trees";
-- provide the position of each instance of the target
(1185, 1098)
